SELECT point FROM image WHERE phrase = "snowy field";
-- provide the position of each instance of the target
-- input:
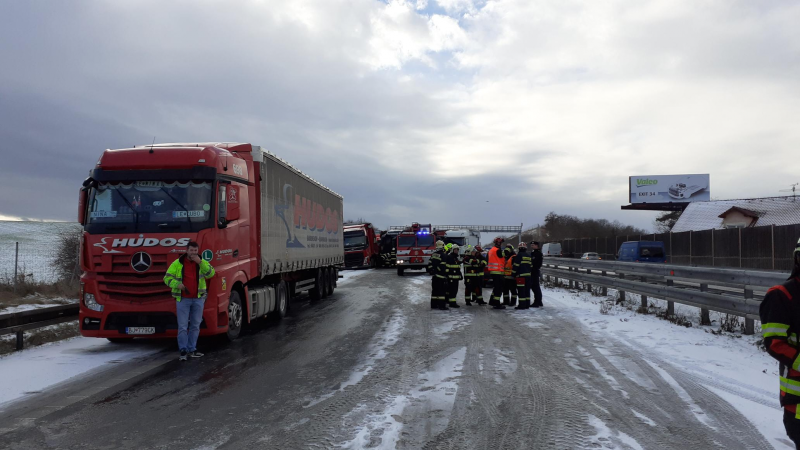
(36, 243)
(730, 365)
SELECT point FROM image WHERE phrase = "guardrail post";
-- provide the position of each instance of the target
(644, 297)
(20, 342)
(749, 324)
(604, 289)
(671, 304)
(704, 317)
(16, 264)
(621, 294)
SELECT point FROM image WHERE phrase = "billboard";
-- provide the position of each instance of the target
(670, 188)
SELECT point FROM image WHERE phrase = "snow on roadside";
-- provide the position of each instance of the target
(348, 275)
(605, 436)
(730, 363)
(385, 338)
(431, 401)
(31, 371)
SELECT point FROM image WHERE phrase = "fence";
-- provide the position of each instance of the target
(28, 251)
(764, 248)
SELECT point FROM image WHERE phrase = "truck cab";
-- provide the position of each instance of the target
(415, 245)
(462, 238)
(361, 247)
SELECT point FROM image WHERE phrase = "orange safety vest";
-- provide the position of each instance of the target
(496, 263)
(509, 267)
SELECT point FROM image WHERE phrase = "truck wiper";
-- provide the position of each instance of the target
(136, 214)
(188, 219)
(169, 225)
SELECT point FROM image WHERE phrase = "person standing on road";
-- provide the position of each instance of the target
(473, 275)
(454, 272)
(187, 276)
(496, 266)
(780, 326)
(522, 275)
(536, 266)
(509, 283)
(439, 278)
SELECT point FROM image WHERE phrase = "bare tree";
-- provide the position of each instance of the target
(666, 220)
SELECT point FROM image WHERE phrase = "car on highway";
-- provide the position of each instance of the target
(551, 249)
(642, 251)
(591, 256)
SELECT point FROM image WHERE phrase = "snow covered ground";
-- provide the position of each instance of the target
(29, 372)
(730, 365)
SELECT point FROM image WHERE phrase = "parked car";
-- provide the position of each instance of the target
(642, 251)
(591, 256)
(551, 249)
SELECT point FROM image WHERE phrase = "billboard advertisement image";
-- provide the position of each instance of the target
(670, 188)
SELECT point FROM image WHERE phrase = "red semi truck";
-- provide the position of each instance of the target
(269, 230)
(360, 246)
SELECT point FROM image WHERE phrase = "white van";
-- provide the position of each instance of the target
(463, 238)
(552, 249)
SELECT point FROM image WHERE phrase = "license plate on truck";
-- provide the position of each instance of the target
(140, 330)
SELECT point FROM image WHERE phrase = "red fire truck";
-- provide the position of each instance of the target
(415, 245)
(360, 246)
(269, 230)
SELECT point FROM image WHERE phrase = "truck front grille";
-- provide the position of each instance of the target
(125, 284)
(353, 259)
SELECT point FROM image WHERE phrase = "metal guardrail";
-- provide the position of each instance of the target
(19, 322)
(482, 228)
(730, 291)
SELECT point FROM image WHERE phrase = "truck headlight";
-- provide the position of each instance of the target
(399, 261)
(91, 303)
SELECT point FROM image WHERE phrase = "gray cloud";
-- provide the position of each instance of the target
(410, 114)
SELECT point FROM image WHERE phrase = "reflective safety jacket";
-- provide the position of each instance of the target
(473, 266)
(496, 261)
(522, 265)
(780, 326)
(437, 266)
(509, 264)
(453, 267)
(174, 277)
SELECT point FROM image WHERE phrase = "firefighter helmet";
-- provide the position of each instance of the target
(454, 247)
(523, 245)
(479, 249)
(439, 244)
(498, 241)
(468, 248)
(447, 247)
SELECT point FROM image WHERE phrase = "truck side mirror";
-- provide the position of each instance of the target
(83, 197)
(222, 207)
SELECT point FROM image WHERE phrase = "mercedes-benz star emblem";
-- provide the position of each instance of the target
(141, 262)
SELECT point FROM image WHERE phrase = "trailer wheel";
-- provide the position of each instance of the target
(330, 275)
(235, 316)
(282, 300)
(317, 291)
(400, 271)
(326, 278)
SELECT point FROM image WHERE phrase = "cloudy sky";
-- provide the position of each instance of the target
(443, 111)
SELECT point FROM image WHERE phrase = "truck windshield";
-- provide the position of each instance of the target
(354, 239)
(406, 241)
(425, 240)
(149, 206)
(455, 240)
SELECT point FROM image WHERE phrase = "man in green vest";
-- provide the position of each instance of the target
(187, 276)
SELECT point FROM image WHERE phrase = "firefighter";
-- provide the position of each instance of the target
(780, 327)
(537, 258)
(437, 269)
(482, 272)
(509, 283)
(522, 275)
(454, 272)
(473, 273)
(496, 266)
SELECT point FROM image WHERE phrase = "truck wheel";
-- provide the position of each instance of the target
(317, 291)
(330, 273)
(235, 316)
(281, 300)
(334, 278)
(400, 271)
(326, 279)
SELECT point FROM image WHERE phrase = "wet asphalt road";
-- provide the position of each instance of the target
(373, 367)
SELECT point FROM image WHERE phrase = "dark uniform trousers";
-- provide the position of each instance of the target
(537, 289)
(509, 291)
(472, 289)
(439, 292)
